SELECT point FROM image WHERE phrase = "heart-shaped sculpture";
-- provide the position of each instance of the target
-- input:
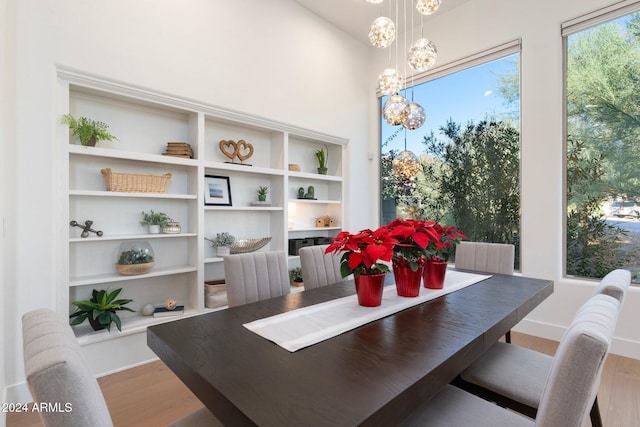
(229, 149)
(244, 150)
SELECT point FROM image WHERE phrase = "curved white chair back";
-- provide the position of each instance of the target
(319, 269)
(495, 258)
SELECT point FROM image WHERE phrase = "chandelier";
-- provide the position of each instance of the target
(421, 56)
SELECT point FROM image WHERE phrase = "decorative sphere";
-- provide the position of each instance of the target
(427, 7)
(148, 309)
(390, 81)
(415, 118)
(422, 54)
(382, 32)
(395, 110)
(170, 303)
(405, 165)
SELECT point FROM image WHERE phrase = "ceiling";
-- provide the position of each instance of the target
(355, 16)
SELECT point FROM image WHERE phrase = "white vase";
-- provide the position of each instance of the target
(154, 229)
(222, 251)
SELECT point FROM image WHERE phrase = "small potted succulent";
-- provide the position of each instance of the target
(222, 243)
(87, 130)
(100, 310)
(322, 156)
(295, 276)
(262, 193)
(155, 220)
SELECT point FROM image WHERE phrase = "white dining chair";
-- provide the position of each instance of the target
(515, 376)
(497, 258)
(255, 276)
(57, 373)
(319, 269)
(567, 392)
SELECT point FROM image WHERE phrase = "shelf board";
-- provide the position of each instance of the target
(213, 259)
(314, 176)
(90, 193)
(322, 202)
(128, 155)
(243, 208)
(129, 237)
(236, 167)
(115, 277)
(293, 230)
(130, 325)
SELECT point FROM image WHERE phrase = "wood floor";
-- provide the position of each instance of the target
(151, 395)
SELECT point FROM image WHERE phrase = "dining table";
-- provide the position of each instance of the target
(376, 374)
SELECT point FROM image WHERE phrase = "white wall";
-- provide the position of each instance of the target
(482, 24)
(271, 59)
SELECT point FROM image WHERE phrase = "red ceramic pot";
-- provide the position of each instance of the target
(369, 289)
(407, 280)
(433, 274)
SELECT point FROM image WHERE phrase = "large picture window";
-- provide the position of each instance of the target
(603, 145)
(468, 152)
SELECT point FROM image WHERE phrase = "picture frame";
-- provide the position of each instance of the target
(217, 190)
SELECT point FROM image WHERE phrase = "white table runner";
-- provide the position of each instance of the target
(306, 326)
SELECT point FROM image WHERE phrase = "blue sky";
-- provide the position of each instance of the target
(470, 94)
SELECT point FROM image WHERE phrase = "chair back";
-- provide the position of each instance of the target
(57, 373)
(319, 269)
(574, 378)
(255, 276)
(486, 257)
(614, 284)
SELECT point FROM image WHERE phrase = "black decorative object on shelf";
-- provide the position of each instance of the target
(86, 228)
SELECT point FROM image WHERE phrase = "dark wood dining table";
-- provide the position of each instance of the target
(374, 375)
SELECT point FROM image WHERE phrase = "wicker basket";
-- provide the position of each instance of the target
(135, 183)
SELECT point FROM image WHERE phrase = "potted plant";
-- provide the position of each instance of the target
(100, 310)
(89, 131)
(295, 276)
(222, 242)
(155, 220)
(322, 157)
(365, 254)
(441, 245)
(135, 258)
(262, 193)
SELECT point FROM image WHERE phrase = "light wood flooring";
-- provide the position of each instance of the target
(151, 395)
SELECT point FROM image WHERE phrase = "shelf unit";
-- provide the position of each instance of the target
(144, 122)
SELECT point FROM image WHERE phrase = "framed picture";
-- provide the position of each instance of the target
(217, 190)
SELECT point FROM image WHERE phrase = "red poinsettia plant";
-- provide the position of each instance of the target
(419, 241)
(364, 252)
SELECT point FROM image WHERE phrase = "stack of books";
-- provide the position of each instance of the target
(164, 312)
(179, 149)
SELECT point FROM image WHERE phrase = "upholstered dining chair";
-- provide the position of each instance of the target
(495, 258)
(515, 376)
(566, 393)
(319, 269)
(255, 276)
(57, 373)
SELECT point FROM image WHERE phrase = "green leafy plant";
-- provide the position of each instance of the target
(322, 156)
(154, 218)
(295, 274)
(100, 310)
(262, 191)
(135, 256)
(223, 239)
(87, 129)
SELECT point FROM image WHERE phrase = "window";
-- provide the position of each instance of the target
(468, 150)
(602, 134)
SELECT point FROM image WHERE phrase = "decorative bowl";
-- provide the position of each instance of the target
(249, 245)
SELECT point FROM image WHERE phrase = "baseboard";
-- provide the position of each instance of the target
(620, 346)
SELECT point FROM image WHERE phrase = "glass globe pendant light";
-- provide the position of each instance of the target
(415, 118)
(375, 1)
(395, 110)
(422, 54)
(382, 32)
(406, 164)
(390, 81)
(427, 7)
